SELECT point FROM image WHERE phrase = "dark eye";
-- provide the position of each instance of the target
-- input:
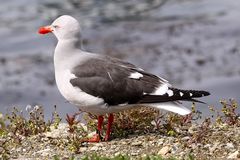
(55, 26)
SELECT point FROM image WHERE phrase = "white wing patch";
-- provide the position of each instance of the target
(181, 94)
(161, 90)
(135, 75)
(170, 92)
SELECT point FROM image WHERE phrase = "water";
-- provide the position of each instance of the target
(193, 44)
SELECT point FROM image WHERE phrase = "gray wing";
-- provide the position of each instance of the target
(110, 79)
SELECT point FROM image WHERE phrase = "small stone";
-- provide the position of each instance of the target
(61, 131)
(207, 146)
(160, 141)
(94, 148)
(137, 143)
(214, 147)
(229, 146)
(117, 153)
(134, 154)
(234, 155)
(83, 149)
(98, 144)
(164, 150)
(186, 138)
(174, 148)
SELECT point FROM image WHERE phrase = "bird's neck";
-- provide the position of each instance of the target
(69, 44)
(66, 49)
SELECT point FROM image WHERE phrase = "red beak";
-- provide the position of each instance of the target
(45, 30)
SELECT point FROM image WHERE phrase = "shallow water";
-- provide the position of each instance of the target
(193, 44)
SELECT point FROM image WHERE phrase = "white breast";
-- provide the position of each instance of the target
(73, 94)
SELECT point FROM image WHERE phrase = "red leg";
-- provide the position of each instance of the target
(109, 125)
(100, 122)
(97, 136)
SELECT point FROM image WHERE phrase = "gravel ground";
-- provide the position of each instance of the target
(218, 142)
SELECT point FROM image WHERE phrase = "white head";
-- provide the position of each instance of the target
(64, 27)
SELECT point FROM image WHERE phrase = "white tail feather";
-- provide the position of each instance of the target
(172, 107)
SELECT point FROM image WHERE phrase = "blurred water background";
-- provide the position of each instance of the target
(191, 43)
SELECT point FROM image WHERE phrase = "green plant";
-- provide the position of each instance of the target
(3, 130)
(229, 110)
(200, 135)
(77, 133)
(55, 118)
(138, 120)
(97, 157)
(4, 149)
(35, 124)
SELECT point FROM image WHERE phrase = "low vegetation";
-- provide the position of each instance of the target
(150, 134)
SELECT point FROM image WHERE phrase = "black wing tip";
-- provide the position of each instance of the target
(205, 93)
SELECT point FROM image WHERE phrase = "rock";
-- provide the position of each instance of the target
(164, 150)
(137, 143)
(44, 152)
(186, 138)
(229, 146)
(160, 141)
(134, 153)
(60, 132)
(234, 155)
(207, 146)
(214, 147)
(174, 148)
(124, 143)
(83, 149)
(98, 144)
(94, 148)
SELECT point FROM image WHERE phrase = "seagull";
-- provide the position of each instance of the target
(99, 84)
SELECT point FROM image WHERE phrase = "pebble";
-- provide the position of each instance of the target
(164, 150)
(137, 143)
(234, 155)
(117, 153)
(229, 146)
(61, 131)
(186, 138)
(134, 153)
(44, 152)
(124, 143)
(94, 148)
(174, 149)
(160, 141)
(83, 149)
(214, 147)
